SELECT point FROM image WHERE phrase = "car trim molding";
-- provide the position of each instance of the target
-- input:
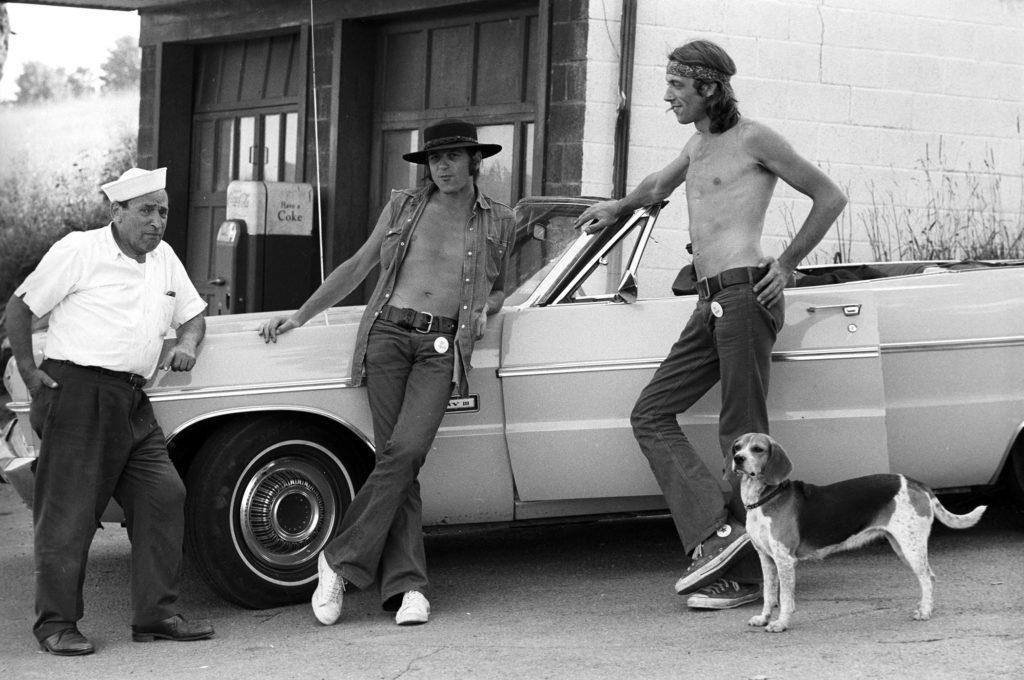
(265, 388)
(241, 410)
(635, 364)
(827, 354)
(791, 355)
(19, 407)
(941, 345)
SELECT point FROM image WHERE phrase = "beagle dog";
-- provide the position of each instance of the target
(791, 521)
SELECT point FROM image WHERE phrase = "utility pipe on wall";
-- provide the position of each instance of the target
(627, 40)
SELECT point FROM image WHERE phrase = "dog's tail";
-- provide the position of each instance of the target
(953, 520)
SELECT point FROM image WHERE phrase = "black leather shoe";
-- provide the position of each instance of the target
(67, 642)
(175, 628)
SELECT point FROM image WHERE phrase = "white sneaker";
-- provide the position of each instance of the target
(414, 610)
(328, 594)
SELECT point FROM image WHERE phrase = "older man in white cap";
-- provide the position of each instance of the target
(112, 294)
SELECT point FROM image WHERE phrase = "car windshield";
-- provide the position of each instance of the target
(544, 232)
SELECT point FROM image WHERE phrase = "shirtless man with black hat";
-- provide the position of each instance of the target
(443, 250)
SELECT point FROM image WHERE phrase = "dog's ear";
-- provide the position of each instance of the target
(777, 466)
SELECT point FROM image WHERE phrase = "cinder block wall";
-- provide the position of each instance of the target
(915, 108)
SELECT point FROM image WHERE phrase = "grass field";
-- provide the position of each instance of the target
(52, 137)
(53, 157)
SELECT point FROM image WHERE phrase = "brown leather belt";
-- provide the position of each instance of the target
(710, 286)
(133, 379)
(421, 322)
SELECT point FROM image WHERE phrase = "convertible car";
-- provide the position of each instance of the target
(909, 367)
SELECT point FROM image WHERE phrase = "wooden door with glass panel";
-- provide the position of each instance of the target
(244, 126)
(478, 67)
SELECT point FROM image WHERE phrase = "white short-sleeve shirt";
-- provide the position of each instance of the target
(107, 309)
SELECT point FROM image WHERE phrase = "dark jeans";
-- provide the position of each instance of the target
(735, 349)
(408, 383)
(100, 439)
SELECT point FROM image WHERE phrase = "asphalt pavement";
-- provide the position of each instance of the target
(586, 600)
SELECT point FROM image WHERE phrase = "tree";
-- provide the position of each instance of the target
(5, 32)
(82, 82)
(122, 68)
(39, 82)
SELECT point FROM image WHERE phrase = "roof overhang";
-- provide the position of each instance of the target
(123, 5)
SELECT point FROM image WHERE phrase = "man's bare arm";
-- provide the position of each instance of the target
(335, 287)
(828, 200)
(654, 188)
(182, 356)
(19, 330)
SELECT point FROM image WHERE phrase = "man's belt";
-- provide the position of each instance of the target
(710, 286)
(421, 322)
(133, 379)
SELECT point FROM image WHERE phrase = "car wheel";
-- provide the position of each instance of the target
(265, 495)
(1015, 474)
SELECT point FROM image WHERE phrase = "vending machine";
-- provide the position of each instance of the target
(265, 254)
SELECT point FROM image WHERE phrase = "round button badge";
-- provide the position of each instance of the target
(441, 345)
(716, 309)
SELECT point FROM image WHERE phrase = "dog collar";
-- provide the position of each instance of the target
(764, 499)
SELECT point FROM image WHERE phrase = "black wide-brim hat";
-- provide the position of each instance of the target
(450, 134)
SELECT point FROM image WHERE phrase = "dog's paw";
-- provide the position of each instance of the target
(775, 627)
(759, 621)
(922, 615)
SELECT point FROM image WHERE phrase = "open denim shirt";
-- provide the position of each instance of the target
(488, 243)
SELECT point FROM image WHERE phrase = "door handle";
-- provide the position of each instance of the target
(219, 281)
(848, 310)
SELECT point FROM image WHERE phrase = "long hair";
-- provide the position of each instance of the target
(475, 158)
(721, 106)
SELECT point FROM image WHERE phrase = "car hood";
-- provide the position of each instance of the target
(319, 351)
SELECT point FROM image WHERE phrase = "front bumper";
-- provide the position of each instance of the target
(17, 458)
(17, 468)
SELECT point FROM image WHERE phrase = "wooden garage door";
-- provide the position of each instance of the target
(479, 67)
(244, 126)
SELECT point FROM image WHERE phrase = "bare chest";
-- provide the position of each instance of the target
(439, 236)
(721, 167)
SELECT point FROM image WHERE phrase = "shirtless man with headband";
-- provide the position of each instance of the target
(730, 167)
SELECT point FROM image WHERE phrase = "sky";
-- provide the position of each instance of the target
(65, 37)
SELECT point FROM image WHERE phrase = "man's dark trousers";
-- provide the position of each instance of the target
(408, 382)
(101, 439)
(728, 339)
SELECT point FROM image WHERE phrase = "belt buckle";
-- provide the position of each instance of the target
(429, 323)
(704, 288)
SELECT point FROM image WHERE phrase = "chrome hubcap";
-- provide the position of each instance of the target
(288, 510)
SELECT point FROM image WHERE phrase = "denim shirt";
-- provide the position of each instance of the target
(488, 240)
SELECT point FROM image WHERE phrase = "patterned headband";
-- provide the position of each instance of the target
(696, 72)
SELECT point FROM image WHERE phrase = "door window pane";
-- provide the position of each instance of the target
(291, 124)
(246, 150)
(603, 280)
(527, 185)
(223, 158)
(495, 178)
(399, 173)
(272, 147)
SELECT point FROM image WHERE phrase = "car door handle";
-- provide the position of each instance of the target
(848, 310)
(219, 281)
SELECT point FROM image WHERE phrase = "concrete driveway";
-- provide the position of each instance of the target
(588, 600)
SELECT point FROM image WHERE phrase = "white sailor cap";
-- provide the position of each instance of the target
(134, 183)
